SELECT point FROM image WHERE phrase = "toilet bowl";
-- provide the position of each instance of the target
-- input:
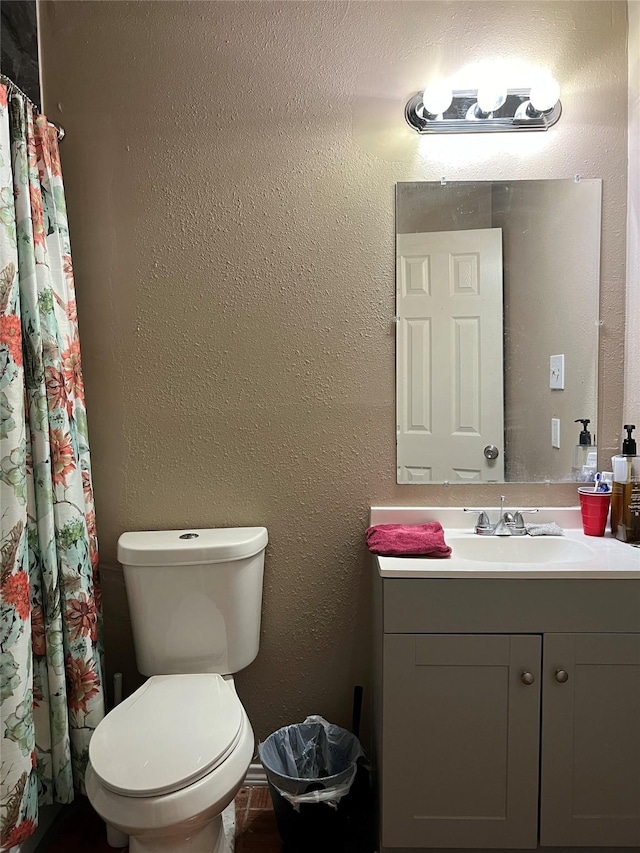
(167, 761)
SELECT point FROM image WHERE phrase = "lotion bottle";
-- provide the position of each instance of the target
(625, 497)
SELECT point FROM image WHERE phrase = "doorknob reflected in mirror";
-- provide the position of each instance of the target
(527, 678)
(562, 676)
(491, 451)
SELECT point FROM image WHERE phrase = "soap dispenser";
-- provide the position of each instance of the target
(625, 496)
(585, 461)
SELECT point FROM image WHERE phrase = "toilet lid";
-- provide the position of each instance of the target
(171, 732)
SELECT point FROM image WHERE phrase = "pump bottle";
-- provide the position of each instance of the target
(625, 496)
(585, 461)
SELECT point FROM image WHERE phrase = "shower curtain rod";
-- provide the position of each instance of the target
(13, 87)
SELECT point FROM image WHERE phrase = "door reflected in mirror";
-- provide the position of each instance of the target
(492, 280)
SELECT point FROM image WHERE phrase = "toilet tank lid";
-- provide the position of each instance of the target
(190, 547)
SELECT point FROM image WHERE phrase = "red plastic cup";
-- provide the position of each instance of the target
(594, 507)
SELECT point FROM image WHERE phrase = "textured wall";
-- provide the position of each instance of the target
(230, 169)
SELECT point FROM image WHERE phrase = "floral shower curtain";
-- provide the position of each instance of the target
(51, 686)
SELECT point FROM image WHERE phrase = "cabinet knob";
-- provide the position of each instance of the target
(562, 676)
(527, 678)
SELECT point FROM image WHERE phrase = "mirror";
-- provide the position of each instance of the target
(497, 305)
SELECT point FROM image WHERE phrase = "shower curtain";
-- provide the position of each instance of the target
(51, 685)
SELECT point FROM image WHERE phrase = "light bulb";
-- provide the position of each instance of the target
(544, 94)
(491, 97)
(437, 98)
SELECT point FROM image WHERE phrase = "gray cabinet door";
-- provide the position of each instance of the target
(590, 786)
(460, 740)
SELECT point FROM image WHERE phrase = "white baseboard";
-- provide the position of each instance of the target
(256, 775)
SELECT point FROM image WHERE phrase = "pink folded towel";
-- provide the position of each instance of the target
(408, 540)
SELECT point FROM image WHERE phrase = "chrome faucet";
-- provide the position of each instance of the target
(508, 524)
(504, 526)
(484, 526)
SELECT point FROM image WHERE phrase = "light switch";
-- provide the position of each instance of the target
(555, 432)
(556, 372)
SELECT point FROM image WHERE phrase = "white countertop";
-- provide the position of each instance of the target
(599, 556)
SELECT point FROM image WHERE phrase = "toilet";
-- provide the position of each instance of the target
(166, 762)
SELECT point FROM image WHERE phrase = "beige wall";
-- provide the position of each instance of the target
(230, 170)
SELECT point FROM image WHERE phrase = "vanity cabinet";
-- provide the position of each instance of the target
(508, 714)
(461, 740)
(590, 749)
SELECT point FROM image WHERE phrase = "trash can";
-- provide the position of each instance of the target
(320, 787)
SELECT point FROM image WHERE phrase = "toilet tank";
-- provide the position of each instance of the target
(195, 597)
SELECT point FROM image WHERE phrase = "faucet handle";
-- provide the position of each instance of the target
(521, 512)
(483, 525)
(518, 521)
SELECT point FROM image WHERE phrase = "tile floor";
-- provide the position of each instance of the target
(256, 830)
(80, 830)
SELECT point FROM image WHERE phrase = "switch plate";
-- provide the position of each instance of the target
(555, 432)
(556, 372)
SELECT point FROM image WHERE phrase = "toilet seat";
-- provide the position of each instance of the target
(171, 732)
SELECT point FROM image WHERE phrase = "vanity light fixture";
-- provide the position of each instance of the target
(488, 109)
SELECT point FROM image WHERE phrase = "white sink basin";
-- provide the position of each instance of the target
(573, 555)
(520, 549)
